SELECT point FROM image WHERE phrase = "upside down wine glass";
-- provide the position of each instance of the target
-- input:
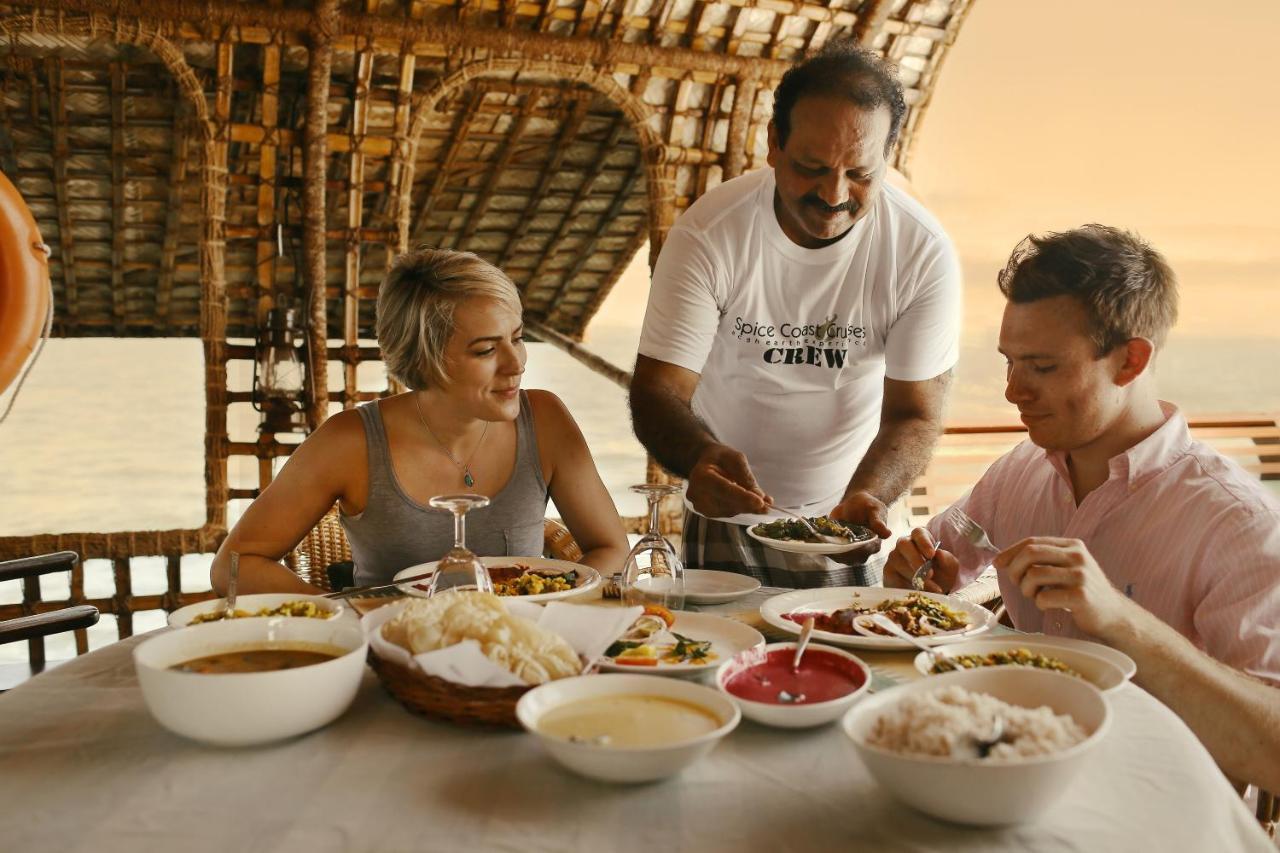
(459, 569)
(653, 573)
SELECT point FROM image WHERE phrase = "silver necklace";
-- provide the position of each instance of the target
(464, 467)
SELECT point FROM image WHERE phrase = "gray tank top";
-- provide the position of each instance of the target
(395, 531)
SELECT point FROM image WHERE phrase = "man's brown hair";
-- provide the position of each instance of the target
(1127, 287)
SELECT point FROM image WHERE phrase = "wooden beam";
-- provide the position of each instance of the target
(173, 216)
(323, 27)
(268, 246)
(461, 125)
(118, 74)
(870, 20)
(563, 342)
(66, 237)
(355, 216)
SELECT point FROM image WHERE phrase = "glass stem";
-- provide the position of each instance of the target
(654, 502)
(459, 527)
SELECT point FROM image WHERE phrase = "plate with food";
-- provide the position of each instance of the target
(260, 605)
(665, 643)
(529, 578)
(790, 534)
(933, 619)
(1026, 650)
(705, 586)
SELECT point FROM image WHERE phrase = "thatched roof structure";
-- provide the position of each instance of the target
(193, 164)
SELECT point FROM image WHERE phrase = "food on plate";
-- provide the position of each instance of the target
(532, 654)
(522, 579)
(947, 722)
(628, 721)
(1003, 657)
(916, 614)
(822, 677)
(307, 609)
(793, 530)
(262, 659)
(637, 648)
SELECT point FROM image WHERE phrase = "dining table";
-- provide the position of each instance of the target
(84, 767)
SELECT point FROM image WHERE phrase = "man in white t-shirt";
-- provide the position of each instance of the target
(801, 330)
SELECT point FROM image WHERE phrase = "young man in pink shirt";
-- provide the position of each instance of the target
(1114, 522)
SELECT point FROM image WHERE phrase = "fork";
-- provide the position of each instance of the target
(969, 529)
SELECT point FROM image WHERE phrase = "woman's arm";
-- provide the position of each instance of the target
(576, 488)
(327, 466)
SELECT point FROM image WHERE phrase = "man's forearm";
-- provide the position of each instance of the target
(668, 429)
(1234, 716)
(898, 455)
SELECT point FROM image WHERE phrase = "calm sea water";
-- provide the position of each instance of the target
(108, 434)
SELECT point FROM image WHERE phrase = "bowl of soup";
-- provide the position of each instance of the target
(626, 728)
(828, 683)
(250, 681)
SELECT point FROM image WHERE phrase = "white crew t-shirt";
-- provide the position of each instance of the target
(793, 344)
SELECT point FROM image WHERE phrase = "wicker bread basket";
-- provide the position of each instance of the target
(444, 700)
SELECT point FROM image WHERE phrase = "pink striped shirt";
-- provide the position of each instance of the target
(1179, 528)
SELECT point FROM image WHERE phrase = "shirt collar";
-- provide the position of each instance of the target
(1145, 459)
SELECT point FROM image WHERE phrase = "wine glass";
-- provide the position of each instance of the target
(459, 569)
(653, 573)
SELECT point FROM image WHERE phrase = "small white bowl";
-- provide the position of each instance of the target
(626, 764)
(976, 791)
(182, 617)
(241, 709)
(792, 716)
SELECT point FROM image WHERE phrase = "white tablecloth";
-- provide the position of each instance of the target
(83, 767)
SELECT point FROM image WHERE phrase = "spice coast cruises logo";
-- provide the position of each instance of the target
(822, 344)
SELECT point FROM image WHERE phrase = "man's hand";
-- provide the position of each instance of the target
(721, 484)
(909, 555)
(869, 511)
(1058, 573)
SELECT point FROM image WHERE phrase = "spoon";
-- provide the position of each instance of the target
(228, 611)
(984, 745)
(832, 540)
(861, 622)
(805, 633)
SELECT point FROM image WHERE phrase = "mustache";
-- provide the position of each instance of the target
(850, 206)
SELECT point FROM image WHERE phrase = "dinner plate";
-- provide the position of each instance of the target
(830, 599)
(254, 602)
(1102, 672)
(705, 586)
(588, 578)
(795, 547)
(728, 638)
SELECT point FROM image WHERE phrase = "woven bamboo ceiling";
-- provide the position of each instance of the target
(552, 138)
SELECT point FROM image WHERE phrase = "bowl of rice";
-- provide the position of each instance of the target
(921, 741)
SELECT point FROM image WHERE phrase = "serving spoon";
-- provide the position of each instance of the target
(806, 631)
(862, 623)
(229, 610)
(833, 540)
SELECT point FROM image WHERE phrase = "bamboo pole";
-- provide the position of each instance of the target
(598, 364)
(313, 239)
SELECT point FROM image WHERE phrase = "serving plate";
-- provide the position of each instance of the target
(588, 578)
(727, 637)
(794, 547)
(706, 586)
(1104, 673)
(830, 599)
(254, 602)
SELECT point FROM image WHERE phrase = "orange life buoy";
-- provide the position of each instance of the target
(24, 282)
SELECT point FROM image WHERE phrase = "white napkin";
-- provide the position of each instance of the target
(589, 630)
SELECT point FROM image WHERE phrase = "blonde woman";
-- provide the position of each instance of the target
(450, 327)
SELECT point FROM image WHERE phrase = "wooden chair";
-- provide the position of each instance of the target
(39, 625)
(326, 544)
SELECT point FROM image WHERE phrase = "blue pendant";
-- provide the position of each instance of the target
(468, 479)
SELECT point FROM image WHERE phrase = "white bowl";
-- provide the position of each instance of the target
(240, 709)
(1101, 673)
(182, 617)
(792, 716)
(982, 791)
(626, 764)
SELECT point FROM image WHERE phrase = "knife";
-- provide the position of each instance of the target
(364, 590)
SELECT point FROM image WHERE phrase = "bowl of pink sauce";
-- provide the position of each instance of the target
(829, 682)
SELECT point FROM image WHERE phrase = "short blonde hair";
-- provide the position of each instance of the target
(416, 305)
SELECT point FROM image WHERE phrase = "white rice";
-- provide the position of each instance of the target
(945, 722)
